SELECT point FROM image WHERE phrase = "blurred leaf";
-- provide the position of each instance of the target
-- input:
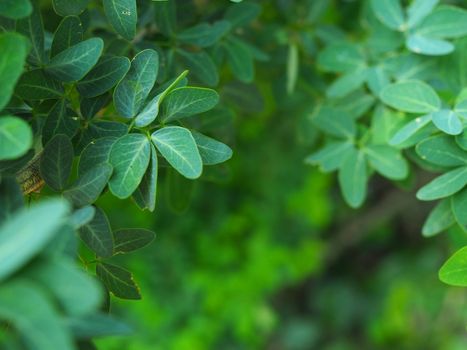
(15, 137)
(444, 185)
(97, 325)
(447, 121)
(331, 156)
(459, 208)
(12, 198)
(454, 270)
(439, 219)
(201, 65)
(441, 150)
(390, 13)
(334, 122)
(444, 22)
(15, 9)
(211, 151)
(410, 129)
(241, 14)
(240, 59)
(418, 10)
(428, 46)
(387, 161)
(82, 216)
(69, 7)
(204, 34)
(353, 178)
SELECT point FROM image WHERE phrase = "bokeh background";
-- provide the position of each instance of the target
(262, 253)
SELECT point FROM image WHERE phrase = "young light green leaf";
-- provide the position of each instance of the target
(293, 66)
(38, 85)
(97, 235)
(211, 151)
(353, 178)
(334, 122)
(14, 49)
(459, 208)
(178, 147)
(88, 187)
(96, 152)
(418, 10)
(30, 229)
(413, 96)
(390, 13)
(145, 194)
(129, 157)
(447, 121)
(131, 239)
(15, 9)
(444, 185)
(428, 46)
(69, 32)
(444, 22)
(187, 101)
(56, 162)
(410, 129)
(122, 16)
(118, 281)
(387, 161)
(104, 76)
(441, 150)
(134, 88)
(15, 137)
(30, 311)
(454, 270)
(75, 62)
(331, 156)
(69, 7)
(439, 219)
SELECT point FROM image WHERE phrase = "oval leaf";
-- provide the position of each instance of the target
(15, 137)
(122, 16)
(97, 235)
(128, 240)
(444, 185)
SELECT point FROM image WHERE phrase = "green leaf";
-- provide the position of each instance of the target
(151, 110)
(34, 316)
(418, 10)
(201, 65)
(241, 14)
(447, 121)
(69, 7)
(15, 9)
(413, 96)
(204, 34)
(387, 161)
(59, 121)
(89, 107)
(27, 233)
(128, 240)
(461, 140)
(97, 325)
(428, 46)
(293, 67)
(12, 198)
(444, 185)
(444, 22)
(15, 137)
(129, 157)
(331, 156)
(69, 32)
(97, 152)
(334, 122)
(410, 129)
(75, 62)
(178, 147)
(104, 76)
(88, 187)
(353, 178)
(56, 162)
(97, 235)
(33, 28)
(82, 216)
(187, 101)
(122, 16)
(461, 108)
(211, 151)
(390, 13)
(441, 150)
(38, 85)
(377, 79)
(439, 219)
(75, 290)
(14, 49)
(118, 281)
(132, 91)
(341, 57)
(240, 59)
(145, 194)
(454, 270)
(459, 208)
(346, 83)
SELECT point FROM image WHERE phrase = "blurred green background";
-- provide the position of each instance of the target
(264, 254)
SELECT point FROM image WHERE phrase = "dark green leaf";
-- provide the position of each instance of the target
(129, 157)
(132, 91)
(118, 281)
(75, 62)
(89, 107)
(15, 9)
(341, 57)
(145, 194)
(211, 151)
(97, 235)
(60, 120)
(104, 76)
(122, 16)
(82, 216)
(459, 208)
(38, 85)
(68, 33)
(187, 101)
(12, 198)
(242, 14)
(334, 122)
(240, 59)
(97, 325)
(204, 34)
(33, 28)
(96, 152)
(201, 65)
(56, 161)
(69, 7)
(128, 240)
